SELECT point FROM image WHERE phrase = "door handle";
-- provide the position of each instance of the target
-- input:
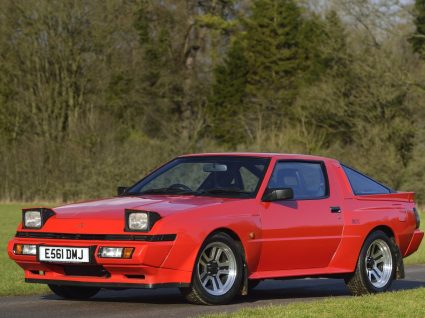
(335, 209)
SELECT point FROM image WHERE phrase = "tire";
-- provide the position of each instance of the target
(214, 283)
(376, 266)
(74, 292)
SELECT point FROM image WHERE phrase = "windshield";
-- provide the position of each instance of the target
(205, 176)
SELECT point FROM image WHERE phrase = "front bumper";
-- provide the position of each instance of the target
(143, 270)
(414, 243)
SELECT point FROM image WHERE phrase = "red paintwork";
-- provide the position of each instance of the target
(280, 239)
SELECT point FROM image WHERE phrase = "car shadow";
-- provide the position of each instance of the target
(316, 288)
(269, 290)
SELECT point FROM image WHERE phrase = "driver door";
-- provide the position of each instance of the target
(303, 232)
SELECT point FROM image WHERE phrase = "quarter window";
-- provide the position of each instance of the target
(363, 185)
(307, 179)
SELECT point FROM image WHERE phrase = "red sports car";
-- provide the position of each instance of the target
(214, 225)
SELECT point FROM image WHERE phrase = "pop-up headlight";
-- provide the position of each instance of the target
(35, 218)
(140, 221)
(32, 219)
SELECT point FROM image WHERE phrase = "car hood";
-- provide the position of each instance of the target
(114, 207)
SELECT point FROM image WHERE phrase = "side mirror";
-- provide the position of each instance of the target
(271, 195)
(121, 190)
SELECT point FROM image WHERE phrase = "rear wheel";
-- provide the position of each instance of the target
(376, 266)
(217, 275)
(74, 292)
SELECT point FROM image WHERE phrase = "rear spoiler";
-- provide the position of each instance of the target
(396, 196)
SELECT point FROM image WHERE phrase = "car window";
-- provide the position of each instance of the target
(227, 176)
(190, 174)
(307, 179)
(363, 185)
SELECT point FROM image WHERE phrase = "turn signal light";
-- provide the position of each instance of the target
(17, 249)
(128, 252)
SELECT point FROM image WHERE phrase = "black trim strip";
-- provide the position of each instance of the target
(104, 285)
(98, 237)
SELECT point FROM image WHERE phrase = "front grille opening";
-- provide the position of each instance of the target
(135, 276)
(79, 270)
(99, 237)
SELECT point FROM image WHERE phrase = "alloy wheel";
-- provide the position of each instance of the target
(217, 268)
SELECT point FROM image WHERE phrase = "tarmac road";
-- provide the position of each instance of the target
(169, 303)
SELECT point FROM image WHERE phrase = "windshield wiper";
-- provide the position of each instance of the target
(223, 191)
(165, 191)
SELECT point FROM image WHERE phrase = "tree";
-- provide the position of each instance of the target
(97, 93)
(270, 57)
(226, 106)
(273, 54)
(56, 63)
(323, 104)
(418, 38)
(176, 38)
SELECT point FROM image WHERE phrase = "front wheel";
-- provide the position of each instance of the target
(74, 292)
(376, 266)
(217, 275)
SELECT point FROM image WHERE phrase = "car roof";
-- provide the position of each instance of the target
(278, 156)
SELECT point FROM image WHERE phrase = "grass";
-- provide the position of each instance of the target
(399, 304)
(12, 276)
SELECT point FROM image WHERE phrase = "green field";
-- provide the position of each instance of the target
(409, 303)
(11, 275)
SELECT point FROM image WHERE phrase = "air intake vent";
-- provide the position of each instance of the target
(78, 270)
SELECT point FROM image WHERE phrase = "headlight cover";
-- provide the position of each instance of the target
(35, 218)
(140, 221)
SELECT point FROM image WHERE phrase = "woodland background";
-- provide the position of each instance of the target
(95, 93)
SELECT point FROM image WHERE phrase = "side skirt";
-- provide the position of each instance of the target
(104, 285)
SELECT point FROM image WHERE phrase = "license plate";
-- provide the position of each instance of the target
(58, 254)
